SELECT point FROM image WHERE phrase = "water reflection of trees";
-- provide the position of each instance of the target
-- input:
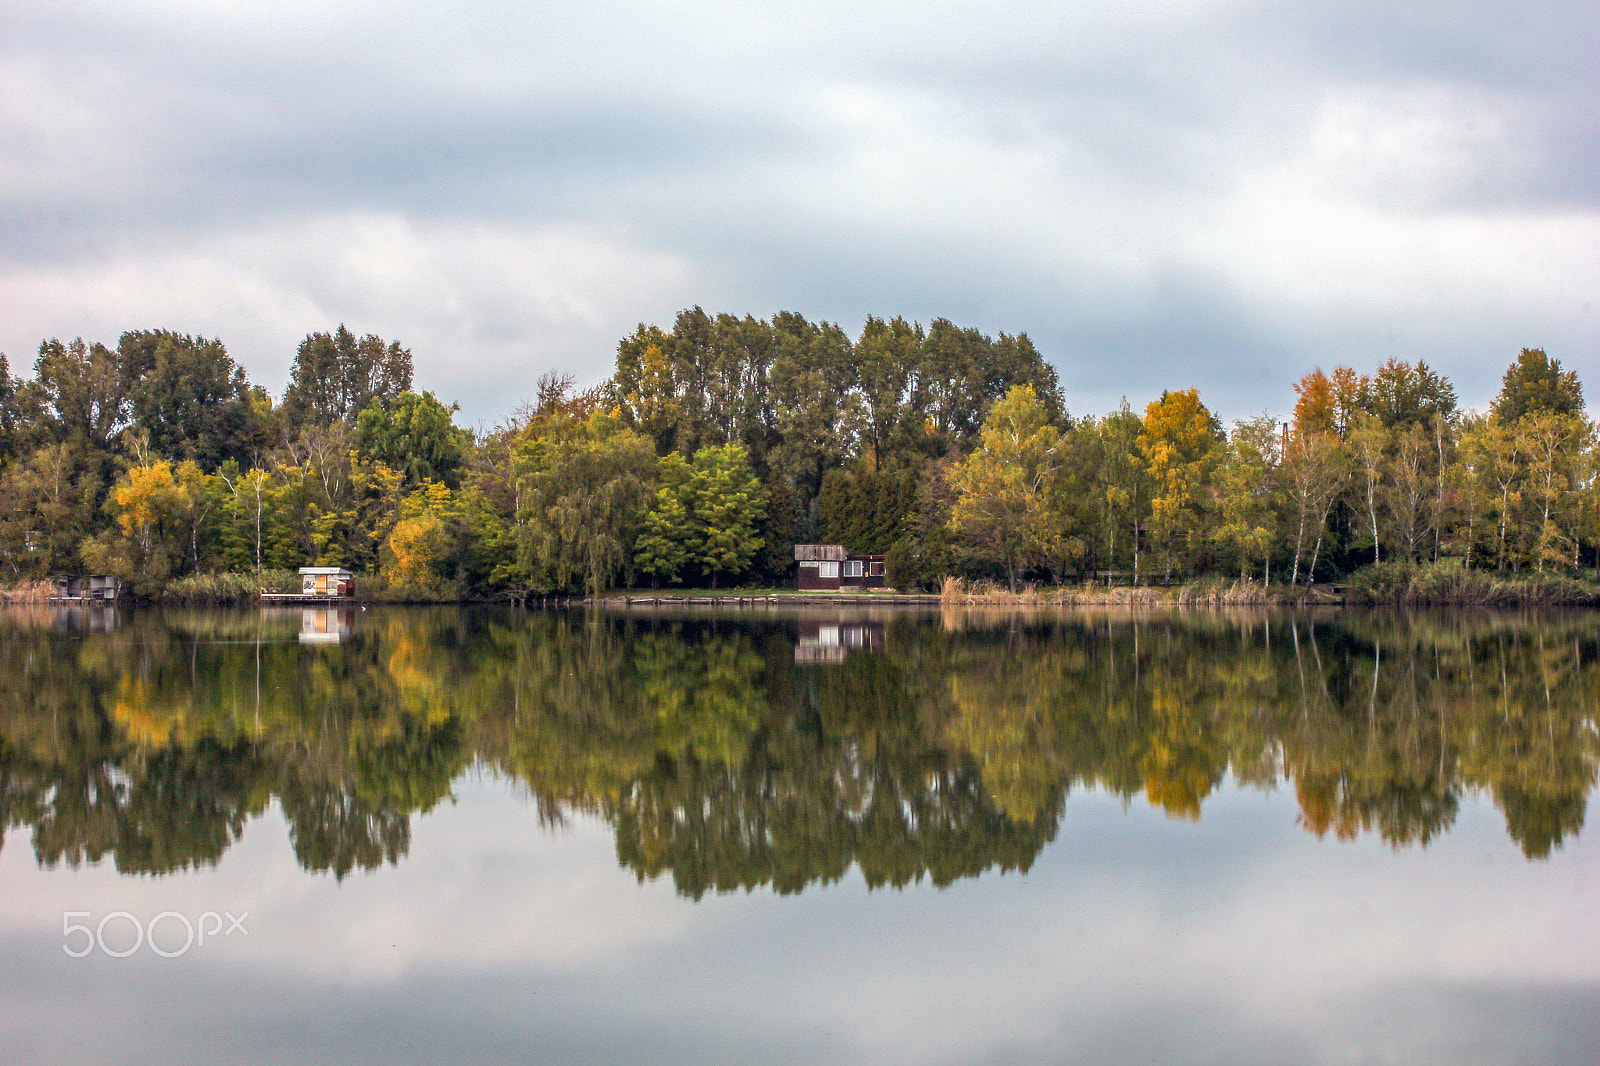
(720, 760)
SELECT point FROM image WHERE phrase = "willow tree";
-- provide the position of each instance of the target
(1006, 507)
(584, 488)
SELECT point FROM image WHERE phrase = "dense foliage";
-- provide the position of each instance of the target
(717, 445)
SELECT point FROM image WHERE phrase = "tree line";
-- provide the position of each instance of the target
(718, 444)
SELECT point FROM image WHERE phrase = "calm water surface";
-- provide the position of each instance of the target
(425, 835)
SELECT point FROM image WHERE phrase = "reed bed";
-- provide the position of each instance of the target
(226, 589)
(28, 592)
(957, 591)
(1448, 583)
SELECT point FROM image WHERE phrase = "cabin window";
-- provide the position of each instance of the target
(828, 571)
(876, 569)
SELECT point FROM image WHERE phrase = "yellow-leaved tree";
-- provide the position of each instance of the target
(1005, 510)
(1180, 448)
(424, 541)
(149, 506)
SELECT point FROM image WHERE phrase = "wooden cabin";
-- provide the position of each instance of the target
(830, 567)
(326, 582)
(95, 588)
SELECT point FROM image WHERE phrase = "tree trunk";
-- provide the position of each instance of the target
(1299, 545)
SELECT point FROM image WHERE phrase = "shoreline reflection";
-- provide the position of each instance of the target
(740, 751)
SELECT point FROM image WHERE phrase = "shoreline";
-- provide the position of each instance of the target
(1375, 587)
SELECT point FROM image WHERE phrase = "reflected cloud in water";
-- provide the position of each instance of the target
(487, 835)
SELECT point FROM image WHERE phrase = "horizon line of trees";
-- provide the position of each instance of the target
(718, 444)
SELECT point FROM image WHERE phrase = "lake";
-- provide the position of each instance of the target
(822, 835)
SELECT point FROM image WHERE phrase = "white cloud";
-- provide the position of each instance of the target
(484, 307)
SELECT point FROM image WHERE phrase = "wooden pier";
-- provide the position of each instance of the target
(270, 596)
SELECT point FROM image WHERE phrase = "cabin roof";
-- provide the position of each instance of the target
(314, 570)
(832, 553)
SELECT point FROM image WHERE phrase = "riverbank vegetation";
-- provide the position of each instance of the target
(716, 445)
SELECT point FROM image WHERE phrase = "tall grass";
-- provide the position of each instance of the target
(1210, 592)
(194, 590)
(1449, 583)
(32, 591)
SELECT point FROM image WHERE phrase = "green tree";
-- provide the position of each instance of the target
(1119, 492)
(663, 546)
(645, 387)
(335, 376)
(1316, 466)
(1536, 383)
(1402, 395)
(1006, 489)
(1369, 442)
(415, 435)
(1246, 485)
(816, 410)
(889, 355)
(780, 530)
(726, 503)
(46, 505)
(1408, 490)
(77, 395)
(12, 422)
(963, 373)
(1552, 444)
(189, 396)
(867, 510)
(584, 488)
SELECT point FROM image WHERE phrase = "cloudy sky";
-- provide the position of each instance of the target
(1162, 193)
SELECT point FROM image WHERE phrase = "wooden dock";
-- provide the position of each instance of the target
(303, 597)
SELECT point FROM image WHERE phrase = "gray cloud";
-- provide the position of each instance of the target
(1232, 190)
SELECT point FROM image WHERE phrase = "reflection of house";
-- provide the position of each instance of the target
(829, 566)
(325, 625)
(93, 618)
(96, 588)
(833, 642)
